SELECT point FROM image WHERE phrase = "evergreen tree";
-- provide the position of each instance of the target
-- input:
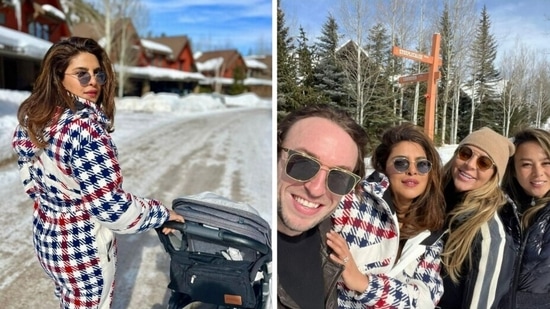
(379, 45)
(329, 77)
(355, 64)
(485, 77)
(286, 73)
(445, 91)
(306, 81)
(239, 75)
(379, 109)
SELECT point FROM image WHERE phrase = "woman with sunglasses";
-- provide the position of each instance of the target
(527, 219)
(478, 256)
(388, 235)
(69, 168)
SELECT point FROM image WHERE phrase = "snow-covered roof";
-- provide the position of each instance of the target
(156, 73)
(54, 11)
(354, 45)
(229, 81)
(217, 80)
(498, 87)
(251, 81)
(23, 44)
(254, 64)
(209, 65)
(156, 47)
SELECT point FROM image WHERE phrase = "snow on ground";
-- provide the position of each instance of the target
(151, 102)
(162, 107)
(169, 146)
(135, 116)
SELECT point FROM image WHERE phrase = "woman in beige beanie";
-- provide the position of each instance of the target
(478, 255)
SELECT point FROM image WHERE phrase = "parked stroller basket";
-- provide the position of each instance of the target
(223, 255)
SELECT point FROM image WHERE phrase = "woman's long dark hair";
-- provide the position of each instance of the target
(49, 94)
(509, 181)
(427, 211)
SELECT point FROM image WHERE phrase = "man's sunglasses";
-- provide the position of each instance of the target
(465, 153)
(302, 168)
(402, 164)
(84, 77)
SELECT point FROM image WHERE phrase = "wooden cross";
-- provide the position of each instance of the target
(431, 77)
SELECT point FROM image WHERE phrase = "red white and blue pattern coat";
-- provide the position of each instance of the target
(76, 185)
(369, 224)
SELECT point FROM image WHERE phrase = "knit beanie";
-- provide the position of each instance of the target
(498, 147)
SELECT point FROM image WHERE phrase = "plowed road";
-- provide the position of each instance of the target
(163, 156)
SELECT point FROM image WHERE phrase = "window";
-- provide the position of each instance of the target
(39, 30)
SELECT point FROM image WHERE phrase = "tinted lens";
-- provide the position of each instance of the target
(423, 166)
(100, 77)
(401, 165)
(484, 163)
(301, 168)
(340, 182)
(85, 77)
(465, 153)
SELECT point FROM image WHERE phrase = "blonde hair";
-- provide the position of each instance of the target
(476, 208)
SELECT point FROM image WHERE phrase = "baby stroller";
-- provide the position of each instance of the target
(221, 255)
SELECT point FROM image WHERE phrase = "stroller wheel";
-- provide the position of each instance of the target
(178, 300)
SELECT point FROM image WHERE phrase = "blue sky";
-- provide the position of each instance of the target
(214, 24)
(528, 19)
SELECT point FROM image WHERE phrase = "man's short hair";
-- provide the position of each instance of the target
(334, 114)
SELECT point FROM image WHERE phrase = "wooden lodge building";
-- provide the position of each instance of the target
(163, 64)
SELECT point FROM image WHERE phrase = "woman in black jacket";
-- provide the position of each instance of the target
(527, 219)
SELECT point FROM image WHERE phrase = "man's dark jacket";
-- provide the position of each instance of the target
(331, 273)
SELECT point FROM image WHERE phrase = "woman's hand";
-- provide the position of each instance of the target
(353, 278)
(174, 216)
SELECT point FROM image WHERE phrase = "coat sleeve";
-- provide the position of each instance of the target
(421, 289)
(95, 166)
(491, 272)
(371, 231)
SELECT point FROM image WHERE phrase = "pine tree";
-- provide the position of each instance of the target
(330, 79)
(378, 112)
(238, 87)
(286, 73)
(355, 64)
(445, 87)
(306, 81)
(485, 78)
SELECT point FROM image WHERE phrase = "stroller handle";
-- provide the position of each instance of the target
(217, 234)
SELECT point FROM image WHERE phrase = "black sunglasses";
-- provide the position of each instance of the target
(302, 168)
(84, 77)
(402, 164)
(483, 162)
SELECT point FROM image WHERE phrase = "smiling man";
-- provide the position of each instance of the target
(320, 159)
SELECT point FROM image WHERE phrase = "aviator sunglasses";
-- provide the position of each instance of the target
(483, 162)
(302, 168)
(84, 77)
(402, 164)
